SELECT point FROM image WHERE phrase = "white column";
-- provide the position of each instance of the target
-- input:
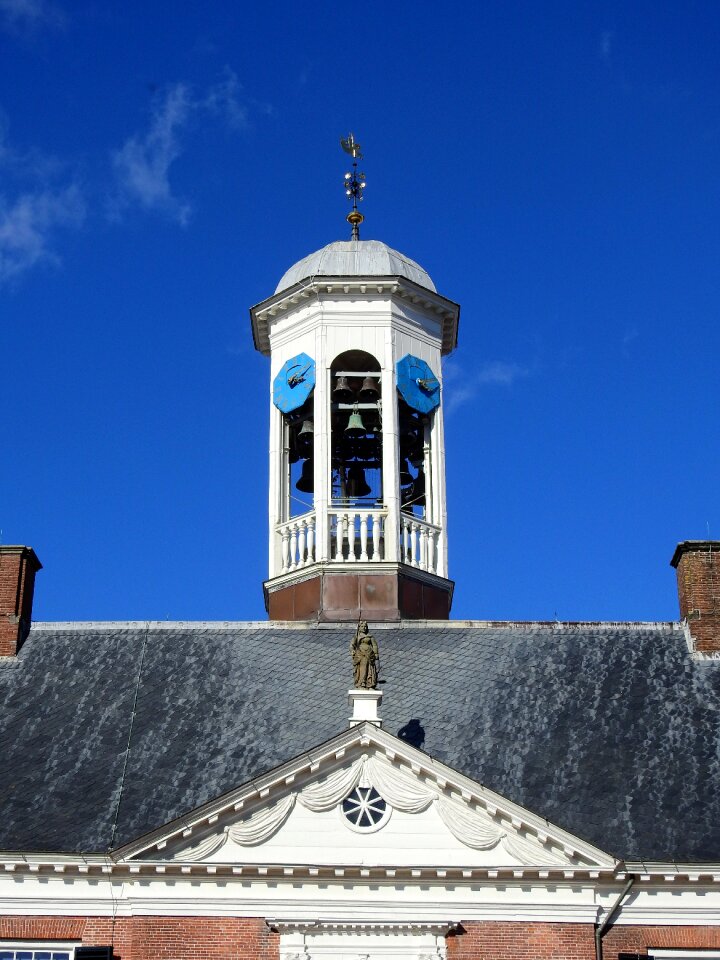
(391, 451)
(276, 489)
(376, 536)
(321, 498)
(437, 471)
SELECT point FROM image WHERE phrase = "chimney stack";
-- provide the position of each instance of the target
(698, 574)
(18, 566)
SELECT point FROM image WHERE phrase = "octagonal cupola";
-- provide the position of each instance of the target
(355, 333)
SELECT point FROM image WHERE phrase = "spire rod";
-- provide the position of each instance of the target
(354, 184)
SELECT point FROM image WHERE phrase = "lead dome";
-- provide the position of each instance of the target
(356, 258)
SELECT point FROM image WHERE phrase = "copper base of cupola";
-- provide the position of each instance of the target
(378, 591)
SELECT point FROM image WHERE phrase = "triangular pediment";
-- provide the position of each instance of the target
(366, 799)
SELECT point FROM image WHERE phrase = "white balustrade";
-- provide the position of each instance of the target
(356, 535)
(297, 542)
(419, 543)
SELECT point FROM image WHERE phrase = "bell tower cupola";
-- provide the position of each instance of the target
(355, 333)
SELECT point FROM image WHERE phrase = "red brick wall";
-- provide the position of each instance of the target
(159, 938)
(500, 940)
(18, 566)
(698, 577)
(621, 939)
(495, 940)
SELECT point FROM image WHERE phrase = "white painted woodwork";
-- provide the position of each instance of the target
(365, 706)
(419, 543)
(325, 322)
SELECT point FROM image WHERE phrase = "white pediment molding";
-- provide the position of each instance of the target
(407, 779)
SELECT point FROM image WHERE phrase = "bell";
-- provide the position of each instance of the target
(356, 485)
(406, 478)
(306, 483)
(341, 391)
(355, 427)
(417, 457)
(369, 390)
(305, 437)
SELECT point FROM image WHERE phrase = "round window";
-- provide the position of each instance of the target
(365, 809)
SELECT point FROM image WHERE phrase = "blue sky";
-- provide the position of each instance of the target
(554, 166)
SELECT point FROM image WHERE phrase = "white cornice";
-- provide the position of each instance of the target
(338, 288)
(447, 781)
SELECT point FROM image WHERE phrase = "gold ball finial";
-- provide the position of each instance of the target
(355, 218)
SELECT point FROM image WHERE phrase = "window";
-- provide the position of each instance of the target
(365, 809)
(37, 951)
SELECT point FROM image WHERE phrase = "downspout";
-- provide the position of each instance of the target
(600, 928)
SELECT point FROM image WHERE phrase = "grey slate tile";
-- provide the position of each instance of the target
(612, 733)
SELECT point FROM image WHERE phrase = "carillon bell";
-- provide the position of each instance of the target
(341, 391)
(305, 437)
(306, 483)
(356, 485)
(369, 390)
(406, 478)
(355, 427)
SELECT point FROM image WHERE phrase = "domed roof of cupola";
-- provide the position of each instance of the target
(356, 258)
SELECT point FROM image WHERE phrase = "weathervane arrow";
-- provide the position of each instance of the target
(351, 146)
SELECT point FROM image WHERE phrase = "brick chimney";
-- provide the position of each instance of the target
(18, 566)
(698, 575)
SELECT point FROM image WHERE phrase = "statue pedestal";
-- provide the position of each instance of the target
(365, 706)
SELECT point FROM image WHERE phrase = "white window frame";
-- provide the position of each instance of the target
(45, 945)
(680, 954)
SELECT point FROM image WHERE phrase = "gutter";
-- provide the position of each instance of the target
(601, 928)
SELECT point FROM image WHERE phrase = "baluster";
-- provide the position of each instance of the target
(414, 546)
(301, 543)
(293, 545)
(364, 517)
(376, 534)
(284, 551)
(351, 537)
(423, 547)
(339, 536)
(405, 540)
(431, 550)
(311, 540)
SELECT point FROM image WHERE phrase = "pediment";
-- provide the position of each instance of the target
(366, 799)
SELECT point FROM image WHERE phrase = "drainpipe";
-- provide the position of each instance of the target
(601, 928)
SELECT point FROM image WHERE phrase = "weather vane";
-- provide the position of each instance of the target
(354, 184)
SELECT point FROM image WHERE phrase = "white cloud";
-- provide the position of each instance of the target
(225, 98)
(143, 163)
(28, 14)
(461, 386)
(28, 223)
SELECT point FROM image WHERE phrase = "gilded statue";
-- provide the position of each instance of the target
(365, 658)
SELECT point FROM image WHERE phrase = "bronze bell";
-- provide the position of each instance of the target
(356, 485)
(406, 478)
(341, 391)
(369, 390)
(355, 427)
(305, 437)
(306, 483)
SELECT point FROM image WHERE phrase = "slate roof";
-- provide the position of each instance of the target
(608, 730)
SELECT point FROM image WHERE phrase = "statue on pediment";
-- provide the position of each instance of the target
(365, 658)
